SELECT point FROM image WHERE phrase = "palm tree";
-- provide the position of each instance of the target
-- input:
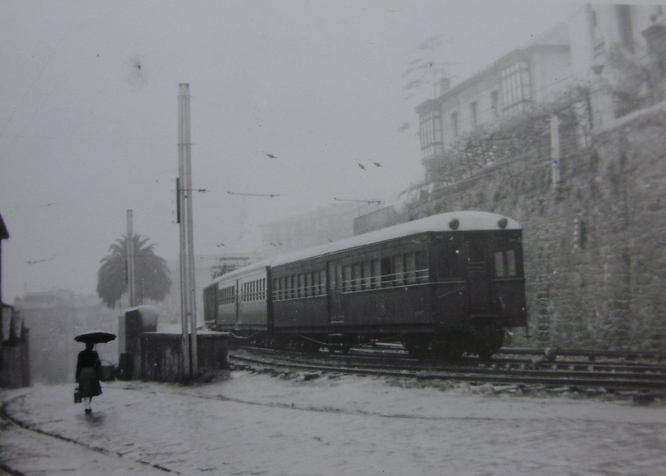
(151, 273)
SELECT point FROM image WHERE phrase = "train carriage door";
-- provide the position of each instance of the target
(478, 274)
(334, 282)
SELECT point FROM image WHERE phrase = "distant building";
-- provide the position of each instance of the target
(536, 73)
(375, 220)
(607, 38)
(14, 338)
(54, 319)
(318, 227)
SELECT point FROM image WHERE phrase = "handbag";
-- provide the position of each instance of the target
(77, 395)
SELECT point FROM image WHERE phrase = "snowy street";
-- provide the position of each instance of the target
(328, 425)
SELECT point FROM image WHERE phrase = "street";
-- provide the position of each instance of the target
(302, 424)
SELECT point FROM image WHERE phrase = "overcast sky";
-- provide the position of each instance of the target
(89, 115)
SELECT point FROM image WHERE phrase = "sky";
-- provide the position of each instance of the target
(89, 115)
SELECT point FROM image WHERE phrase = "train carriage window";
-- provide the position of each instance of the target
(346, 280)
(398, 269)
(499, 264)
(410, 268)
(386, 272)
(322, 282)
(356, 277)
(376, 273)
(367, 274)
(505, 263)
(511, 262)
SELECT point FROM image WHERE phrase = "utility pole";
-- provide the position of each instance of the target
(187, 283)
(130, 259)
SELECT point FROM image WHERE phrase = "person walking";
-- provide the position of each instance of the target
(88, 368)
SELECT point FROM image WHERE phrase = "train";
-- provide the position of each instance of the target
(440, 286)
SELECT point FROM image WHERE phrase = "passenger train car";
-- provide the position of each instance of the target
(442, 286)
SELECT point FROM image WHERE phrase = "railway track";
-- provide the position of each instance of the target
(574, 370)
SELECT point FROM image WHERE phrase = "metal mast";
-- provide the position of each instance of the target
(187, 283)
(130, 259)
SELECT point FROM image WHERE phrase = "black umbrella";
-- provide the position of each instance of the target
(95, 337)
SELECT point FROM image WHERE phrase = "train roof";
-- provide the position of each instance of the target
(450, 221)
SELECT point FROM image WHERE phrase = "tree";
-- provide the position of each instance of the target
(151, 273)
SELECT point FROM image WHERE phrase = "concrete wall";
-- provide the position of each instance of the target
(15, 365)
(160, 357)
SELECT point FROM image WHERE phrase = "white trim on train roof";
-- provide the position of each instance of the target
(467, 221)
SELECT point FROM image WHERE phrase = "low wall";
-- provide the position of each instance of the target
(15, 368)
(160, 356)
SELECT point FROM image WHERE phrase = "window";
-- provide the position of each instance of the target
(356, 277)
(322, 282)
(499, 264)
(511, 262)
(454, 124)
(398, 268)
(516, 87)
(431, 134)
(387, 273)
(346, 280)
(376, 273)
(367, 274)
(308, 284)
(473, 113)
(410, 268)
(505, 263)
(494, 104)
(226, 295)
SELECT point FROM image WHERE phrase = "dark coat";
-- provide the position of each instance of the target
(88, 368)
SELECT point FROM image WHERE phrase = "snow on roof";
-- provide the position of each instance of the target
(467, 221)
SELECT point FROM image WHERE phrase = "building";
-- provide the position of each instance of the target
(14, 338)
(54, 319)
(620, 50)
(324, 225)
(537, 73)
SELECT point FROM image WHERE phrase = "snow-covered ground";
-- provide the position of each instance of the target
(309, 424)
